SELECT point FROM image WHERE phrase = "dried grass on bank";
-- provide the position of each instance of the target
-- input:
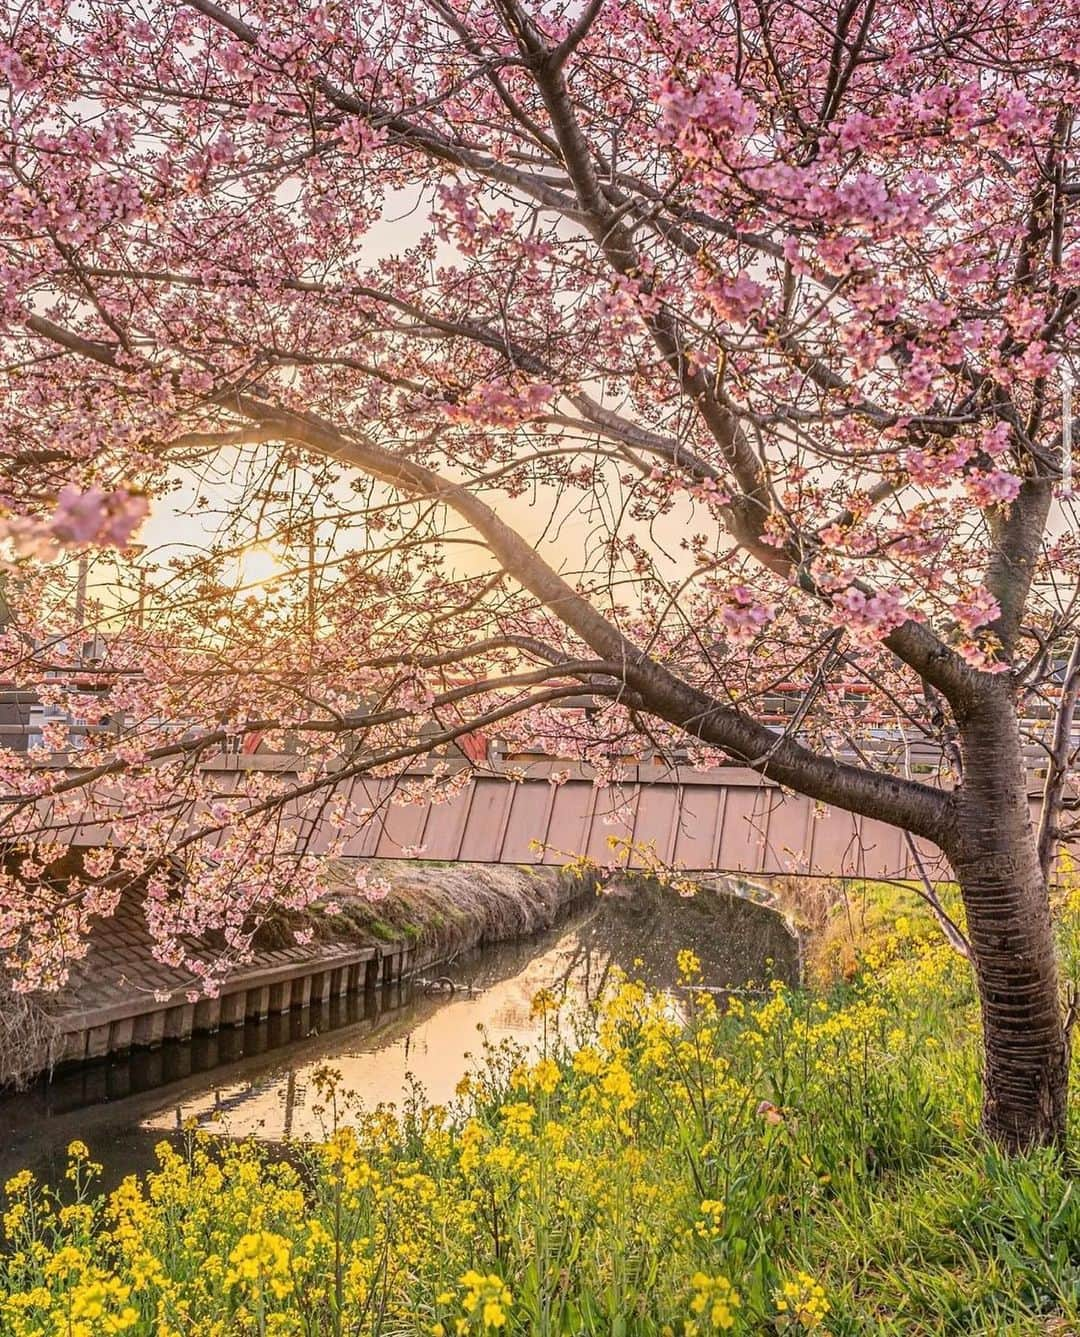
(447, 908)
(28, 1037)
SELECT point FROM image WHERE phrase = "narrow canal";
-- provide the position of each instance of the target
(257, 1080)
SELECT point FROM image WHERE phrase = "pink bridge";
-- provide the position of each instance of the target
(728, 819)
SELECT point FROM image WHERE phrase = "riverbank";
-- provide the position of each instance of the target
(806, 1162)
(438, 908)
(120, 996)
(258, 1078)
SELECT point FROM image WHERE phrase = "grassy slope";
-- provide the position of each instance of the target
(445, 907)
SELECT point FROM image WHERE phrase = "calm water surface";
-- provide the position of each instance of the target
(258, 1080)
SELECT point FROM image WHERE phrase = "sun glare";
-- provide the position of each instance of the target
(259, 564)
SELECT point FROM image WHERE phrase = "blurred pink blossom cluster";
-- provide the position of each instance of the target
(107, 518)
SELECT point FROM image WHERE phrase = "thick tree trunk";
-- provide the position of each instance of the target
(994, 853)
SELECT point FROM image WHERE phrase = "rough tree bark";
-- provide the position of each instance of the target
(993, 850)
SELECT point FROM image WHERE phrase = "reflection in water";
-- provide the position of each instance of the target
(258, 1080)
(430, 1041)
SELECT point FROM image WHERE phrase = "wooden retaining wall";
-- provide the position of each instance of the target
(136, 1023)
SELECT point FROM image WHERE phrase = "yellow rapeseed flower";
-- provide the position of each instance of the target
(715, 1301)
(486, 1298)
(801, 1302)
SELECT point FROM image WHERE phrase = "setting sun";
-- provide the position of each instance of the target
(259, 564)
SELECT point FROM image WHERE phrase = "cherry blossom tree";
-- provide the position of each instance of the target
(770, 305)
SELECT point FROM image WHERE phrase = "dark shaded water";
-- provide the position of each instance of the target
(257, 1080)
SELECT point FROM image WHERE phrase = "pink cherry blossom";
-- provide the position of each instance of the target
(743, 614)
(979, 608)
(868, 620)
(993, 488)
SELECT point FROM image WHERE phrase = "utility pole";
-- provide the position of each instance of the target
(80, 589)
(311, 587)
